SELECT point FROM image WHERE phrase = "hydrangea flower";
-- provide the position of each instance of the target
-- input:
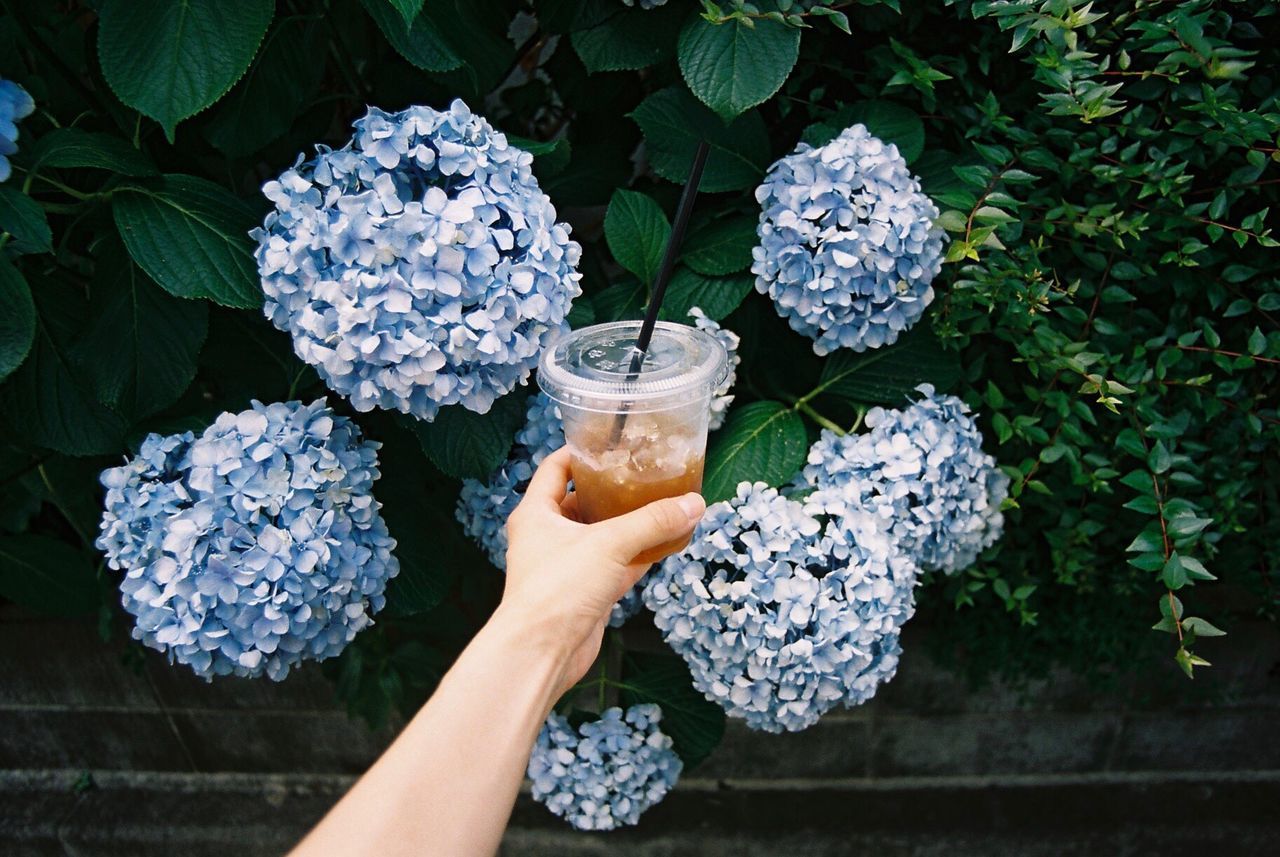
(607, 772)
(721, 398)
(419, 266)
(847, 247)
(483, 507)
(781, 611)
(15, 104)
(645, 4)
(254, 546)
(923, 472)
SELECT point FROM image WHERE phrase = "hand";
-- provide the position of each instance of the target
(564, 576)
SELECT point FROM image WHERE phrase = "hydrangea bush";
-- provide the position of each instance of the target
(1057, 215)
(254, 546)
(605, 773)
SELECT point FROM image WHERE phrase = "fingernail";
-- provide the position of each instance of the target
(692, 505)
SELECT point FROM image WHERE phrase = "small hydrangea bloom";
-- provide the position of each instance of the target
(645, 4)
(254, 546)
(721, 398)
(782, 612)
(483, 507)
(15, 104)
(419, 266)
(848, 247)
(607, 772)
(923, 472)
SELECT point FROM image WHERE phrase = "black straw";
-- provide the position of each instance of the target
(683, 209)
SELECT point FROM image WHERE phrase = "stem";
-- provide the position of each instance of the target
(807, 409)
(1228, 353)
(857, 423)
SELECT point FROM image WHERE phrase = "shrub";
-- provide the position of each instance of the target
(1097, 182)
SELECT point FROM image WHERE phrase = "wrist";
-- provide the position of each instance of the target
(538, 644)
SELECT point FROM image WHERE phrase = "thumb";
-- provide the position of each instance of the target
(652, 525)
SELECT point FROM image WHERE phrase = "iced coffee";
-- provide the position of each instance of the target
(635, 436)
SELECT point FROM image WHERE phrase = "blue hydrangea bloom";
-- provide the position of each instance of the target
(483, 507)
(721, 398)
(922, 471)
(847, 247)
(254, 546)
(15, 104)
(607, 772)
(782, 611)
(419, 266)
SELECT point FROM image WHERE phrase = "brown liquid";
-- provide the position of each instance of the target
(607, 493)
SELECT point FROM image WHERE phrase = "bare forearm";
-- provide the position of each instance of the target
(447, 784)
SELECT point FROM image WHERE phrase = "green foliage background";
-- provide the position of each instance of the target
(1110, 303)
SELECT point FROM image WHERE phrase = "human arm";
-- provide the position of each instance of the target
(447, 784)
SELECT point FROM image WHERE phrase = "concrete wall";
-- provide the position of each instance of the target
(98, 758)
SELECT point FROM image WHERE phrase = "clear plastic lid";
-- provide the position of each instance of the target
(591, 367)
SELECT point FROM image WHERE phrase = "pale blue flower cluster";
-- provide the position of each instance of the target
(923, 472)
(783, 611)
(419, 266)
(645, 4)
(607, 772)
(721, 398)
(848, 246)
(15, 104)
(254, 546)
(483, 507)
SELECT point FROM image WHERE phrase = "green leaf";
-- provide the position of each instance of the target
(49, 402)
(674, 122)
(550, 157)
(47, 576)
(732, 67)
(637, 232)
(695, 724)
(715, 296)
(408, 10)
(191, 237)
(170, 60)
(140, 347)
(1202, 627)
(1146, 541)
(1173, 574)
(631, 39)
(721, 246)
(889, 121)
(1187, 525)
(1257, 342)
(24, 219)
(263, 106)
(620, 301)
(1159, 460)
(422, 44)
(760, 442)
(465, 444)
(889, 375)
(17, 322)
(71, 148)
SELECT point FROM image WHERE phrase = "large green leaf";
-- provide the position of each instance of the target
(674, 122)
(732, 67)
(476, 31)
(637, 232)
(721, 247)
(695, 724)
(140, 346)
(47, 576)
(48, 401)
(631, 39)
(264, 104)
(760, 442)
(622, 300)
(191, 237)
(891, 122)
(465, 444)
(408, 10)
(715, 296)
(23, 219)
(170, 59)
(17, 321)
(889, 375)
(421, 44)
(71, 148)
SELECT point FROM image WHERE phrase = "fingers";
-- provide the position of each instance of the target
(550, 480)
(569, 506)
(651, 526)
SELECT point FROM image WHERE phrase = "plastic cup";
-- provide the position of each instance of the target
(634, 439)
